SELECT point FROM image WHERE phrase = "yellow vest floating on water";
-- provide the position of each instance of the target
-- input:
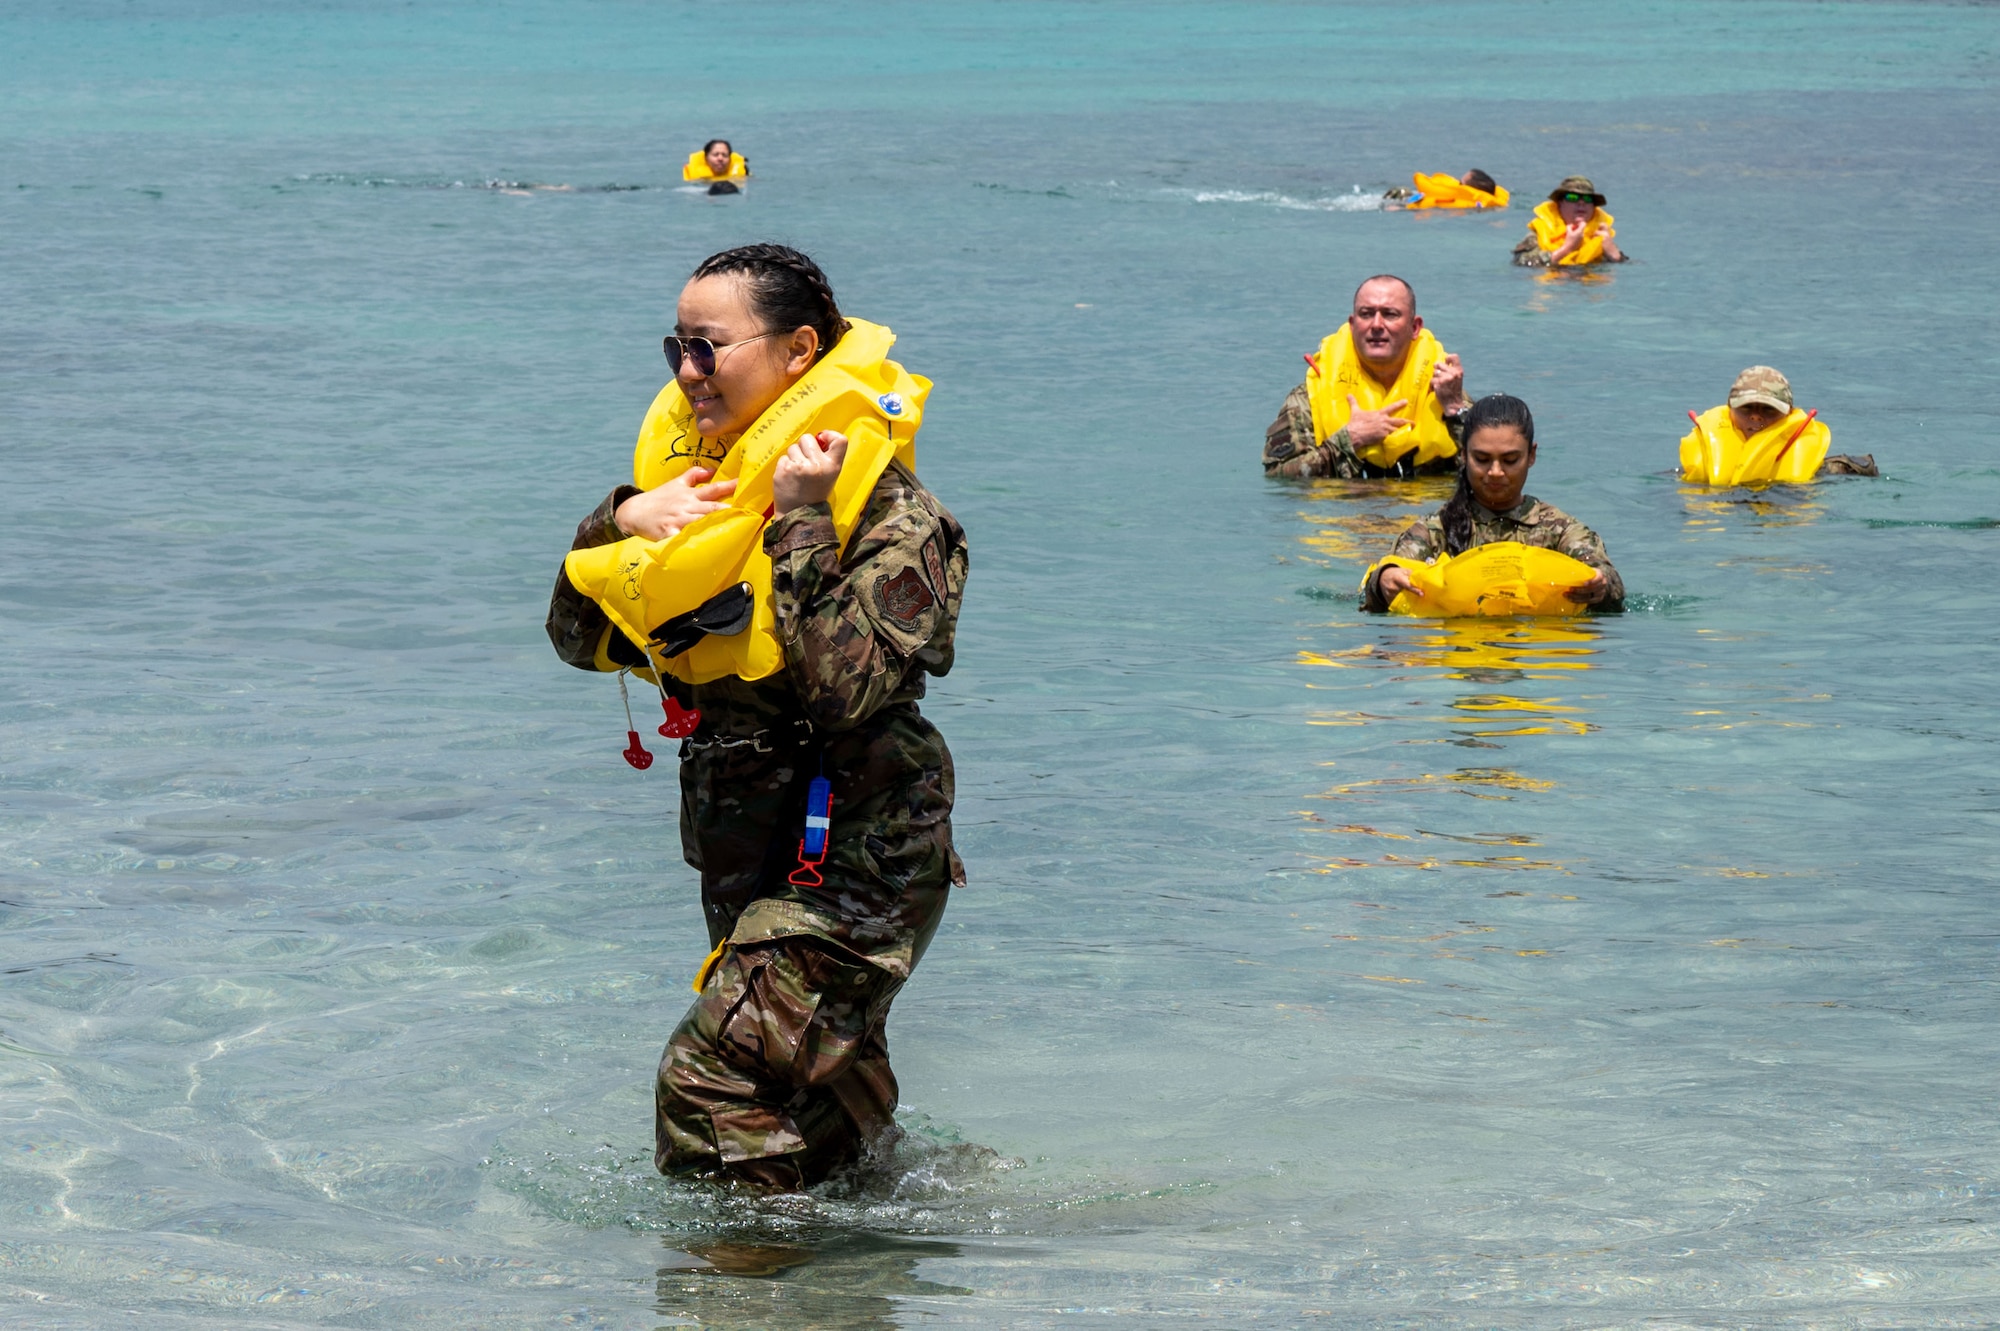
(1337, 372)
(1502, 578)
(697, 167)
(1716, 453)
(642, 584)
(1443, 191)
(1550, 231)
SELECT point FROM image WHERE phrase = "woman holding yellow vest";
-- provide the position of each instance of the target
(1569, 229)
(781, 570)
(1488, 509)
(1381, 397)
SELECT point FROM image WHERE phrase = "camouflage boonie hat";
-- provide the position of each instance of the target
(1576, 185)
(1762, 385)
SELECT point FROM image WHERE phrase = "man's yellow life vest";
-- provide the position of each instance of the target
(1443, 191)
(643, 584)
(1716, 453)
(697, 167)
(1337, 372)
(1550, 230)
(1500, 578)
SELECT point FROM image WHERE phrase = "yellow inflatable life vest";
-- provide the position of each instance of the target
(1715, 452)
(1443, 191)
(642, 584)
(1549, 231)
(1337, 372)
(1501, 578)
(697, 168)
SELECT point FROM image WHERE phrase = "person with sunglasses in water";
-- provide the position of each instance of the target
(1489, 506)
(781, 568)
(1569, 229)
(1380, 399)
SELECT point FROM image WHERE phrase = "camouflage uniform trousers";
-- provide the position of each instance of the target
(1291, 451)
(779, 1073)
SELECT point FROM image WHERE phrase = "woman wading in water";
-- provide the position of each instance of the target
(779, 557)
(1489, 505)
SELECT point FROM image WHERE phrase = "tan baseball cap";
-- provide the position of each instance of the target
(1577, 185)
(1763, 385)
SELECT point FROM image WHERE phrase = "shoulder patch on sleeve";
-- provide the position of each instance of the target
(904, 599)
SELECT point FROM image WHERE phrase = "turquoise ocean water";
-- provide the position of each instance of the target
(1315, 970)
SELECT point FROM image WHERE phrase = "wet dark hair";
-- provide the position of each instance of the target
(787, 290)
(1386, 277)
(1494, 409)
(1480, 180)
(712, 142)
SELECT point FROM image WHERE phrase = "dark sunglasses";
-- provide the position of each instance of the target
(700, 350)
(1578, 198)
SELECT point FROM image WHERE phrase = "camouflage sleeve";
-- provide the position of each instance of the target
(854, 626)
(1581, 543)
(1420, 540)
(1289, 437)
(1527, 254)
(576, 624)
(1289, 448)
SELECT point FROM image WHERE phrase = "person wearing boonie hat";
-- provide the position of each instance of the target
(1569, 229)
(1758, 435)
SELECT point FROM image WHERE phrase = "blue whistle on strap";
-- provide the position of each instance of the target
(819, 816)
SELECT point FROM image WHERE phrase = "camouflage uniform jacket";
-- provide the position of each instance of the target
(1290, 449)
(860, 631)
(1530, 522)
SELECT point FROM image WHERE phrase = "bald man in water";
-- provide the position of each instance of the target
(1384, 322)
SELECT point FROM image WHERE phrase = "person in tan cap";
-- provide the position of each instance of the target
(1569, 229)
(1759, 436)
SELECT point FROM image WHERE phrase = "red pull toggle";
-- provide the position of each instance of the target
(681, 721)
(635, 752)
(807, 874)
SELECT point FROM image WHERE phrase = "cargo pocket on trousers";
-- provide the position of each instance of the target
(805, 1012)
(766, 1026)
(752, 1132)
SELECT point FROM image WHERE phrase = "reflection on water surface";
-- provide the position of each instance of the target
(1355, 522)
(1478, 650)
(852, 1282)
(1752, 506)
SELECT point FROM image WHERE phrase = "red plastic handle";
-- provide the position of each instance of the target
(681, 721)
